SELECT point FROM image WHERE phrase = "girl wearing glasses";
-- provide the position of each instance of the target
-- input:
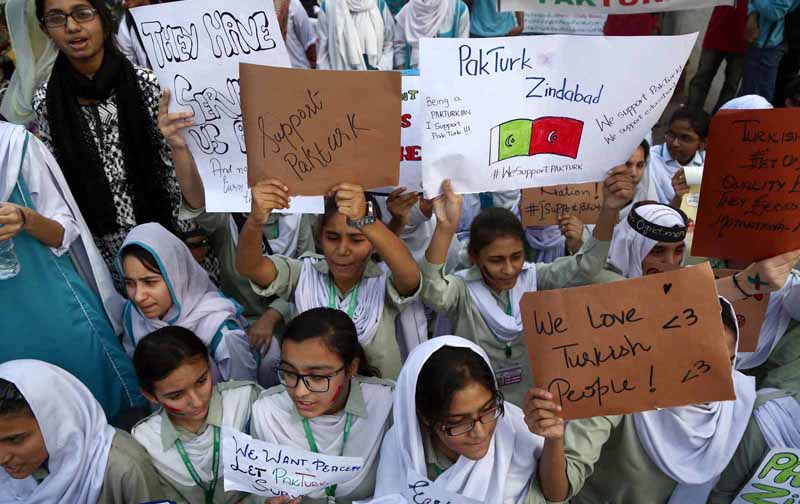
(167, 287)
(329, 402)
(98, 114)
(346, 277)
(184, 437)
(453, 431)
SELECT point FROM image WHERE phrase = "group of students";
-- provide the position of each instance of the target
(388, 328)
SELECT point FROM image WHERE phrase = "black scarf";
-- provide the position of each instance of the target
(76, 148)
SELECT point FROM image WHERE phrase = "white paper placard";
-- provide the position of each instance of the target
(270, 470)
(566, 24)
(517, 112)
(195, 47)
(421, 489)
(608, 6)
(410, 135)
(777, 479)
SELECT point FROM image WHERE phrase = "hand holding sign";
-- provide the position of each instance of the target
(268, 195)
(542, 414)
(629, 346)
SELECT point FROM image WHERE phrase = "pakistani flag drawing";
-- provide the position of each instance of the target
(528, 137)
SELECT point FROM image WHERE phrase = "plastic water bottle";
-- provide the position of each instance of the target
(9, 264)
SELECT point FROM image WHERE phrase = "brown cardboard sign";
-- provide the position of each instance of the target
(750, 314)
(750, 196)
(543, 206)
(636, 345)
(313, 129)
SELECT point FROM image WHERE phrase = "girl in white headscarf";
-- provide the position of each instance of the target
(453, 432)
(55, 444)
(184, 437)
(669, 455)
(328, 402)
(355, 35)
(427, 19)
(167, 286)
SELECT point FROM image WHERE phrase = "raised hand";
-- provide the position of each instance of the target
(447, 207)
(268, 195)
(618, 188)
(768, 275)
(541, 414)
(572, 229)
(170, 124)
(400, 206)
(350, 200)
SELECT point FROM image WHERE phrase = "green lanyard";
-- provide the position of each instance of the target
(509, 312)
(348, 422)
(332, 298)
(212, 486)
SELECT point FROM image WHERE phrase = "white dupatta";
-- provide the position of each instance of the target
(502, 476)
(75, 432)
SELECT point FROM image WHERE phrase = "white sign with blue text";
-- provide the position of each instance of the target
(271, 470)
(509, 113)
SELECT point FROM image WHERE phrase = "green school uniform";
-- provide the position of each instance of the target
(782, 369)
(170, 433)
(130, 477)
(382, 352)
(450, 294)
(606, 464)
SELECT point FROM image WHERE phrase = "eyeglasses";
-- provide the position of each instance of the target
(485, 418)
(314, 383)
(79, 15)
(684, 139)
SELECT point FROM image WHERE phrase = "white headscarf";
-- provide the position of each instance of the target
(504, 326)
(314, 291)
(424, 18)
(275, 420)
(748, 102)
(75, 432)
(548, 241)
(629, 247)
(784, 305)
(779, 420)
(355, 29)
(503, 475)
(35, 55)
(693, 444)
(197, 304)
(200, 449)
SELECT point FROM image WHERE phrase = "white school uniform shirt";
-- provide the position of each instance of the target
(332, 48)
(663, 168)
(130, 44)
(450, 19)
(300, 35)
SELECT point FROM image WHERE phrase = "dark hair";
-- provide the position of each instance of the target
(103, 12)
(491, 224)
(728, 318)
(645, 146)
(12, 402)
(447, 371)
(699, 120)
(331, 208)
(338, 332)
(793, 89)
(163, 351)
(145, 257)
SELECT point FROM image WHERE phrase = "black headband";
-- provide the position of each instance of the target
(654, 231)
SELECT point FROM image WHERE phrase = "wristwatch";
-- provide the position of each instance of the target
(369, 218)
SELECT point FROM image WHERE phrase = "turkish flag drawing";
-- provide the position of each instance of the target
(556, 135)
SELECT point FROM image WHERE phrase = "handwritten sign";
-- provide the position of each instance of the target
(750, 196)
(270, 470)
(636, 345)
(562, 108)
(195, 47)
(315, 129)
(750, 314)
(410, 135)
(555, 23)
(543, 206)
(776, 481)
(420, 489)
(609, 6)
